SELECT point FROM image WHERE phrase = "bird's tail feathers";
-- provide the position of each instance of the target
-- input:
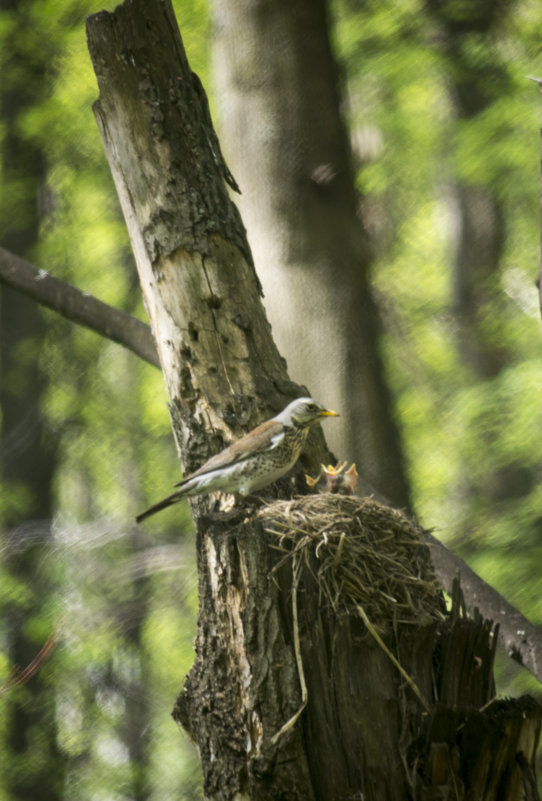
(169, 501)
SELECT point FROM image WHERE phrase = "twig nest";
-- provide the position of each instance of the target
(361, 553)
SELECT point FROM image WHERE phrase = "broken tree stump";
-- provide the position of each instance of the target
(337, 672)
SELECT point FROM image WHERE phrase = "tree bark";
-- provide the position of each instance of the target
(301, 689)
(280, 106)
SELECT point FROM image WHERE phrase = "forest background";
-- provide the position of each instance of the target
(445, 135)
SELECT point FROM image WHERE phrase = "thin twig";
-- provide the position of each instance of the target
(20, 676)
(298, 658)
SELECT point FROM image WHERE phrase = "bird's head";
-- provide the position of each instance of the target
(304, 412)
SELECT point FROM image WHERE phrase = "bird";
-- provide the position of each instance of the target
(337, 480)
(260, 457)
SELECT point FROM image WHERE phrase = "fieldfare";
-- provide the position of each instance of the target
(260, 457)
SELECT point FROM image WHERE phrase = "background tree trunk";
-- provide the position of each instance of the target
(479, 211)
(280, 115)
(480, 215)
(294, 692)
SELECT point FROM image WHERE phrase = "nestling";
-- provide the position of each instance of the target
(260, 457)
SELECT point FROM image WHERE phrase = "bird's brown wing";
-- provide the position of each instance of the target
(256, 441)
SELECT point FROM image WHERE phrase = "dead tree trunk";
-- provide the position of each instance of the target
(324, 668)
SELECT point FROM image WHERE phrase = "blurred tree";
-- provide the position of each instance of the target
(282, 128)
(33, 765)
(476, 77)
(480, 82)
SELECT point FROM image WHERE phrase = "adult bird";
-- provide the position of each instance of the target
(260, 457)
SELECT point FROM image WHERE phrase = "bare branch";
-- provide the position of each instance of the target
(520, 638)
(77, 306)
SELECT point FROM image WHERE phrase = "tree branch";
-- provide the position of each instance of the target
(520, 638)
(77, 306)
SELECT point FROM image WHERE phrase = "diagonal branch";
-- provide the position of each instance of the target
(521, 639)
(80, 307)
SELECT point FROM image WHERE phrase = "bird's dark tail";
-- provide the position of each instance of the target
(169, 501)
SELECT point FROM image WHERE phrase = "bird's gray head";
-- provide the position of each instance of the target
(304, 412)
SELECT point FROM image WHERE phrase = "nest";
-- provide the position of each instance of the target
(367, 558)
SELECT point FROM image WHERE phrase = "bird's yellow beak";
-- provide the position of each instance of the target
(329, 413)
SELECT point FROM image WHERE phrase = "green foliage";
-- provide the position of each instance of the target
(439, 111)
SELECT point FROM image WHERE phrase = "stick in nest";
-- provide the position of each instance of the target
(298, 658)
